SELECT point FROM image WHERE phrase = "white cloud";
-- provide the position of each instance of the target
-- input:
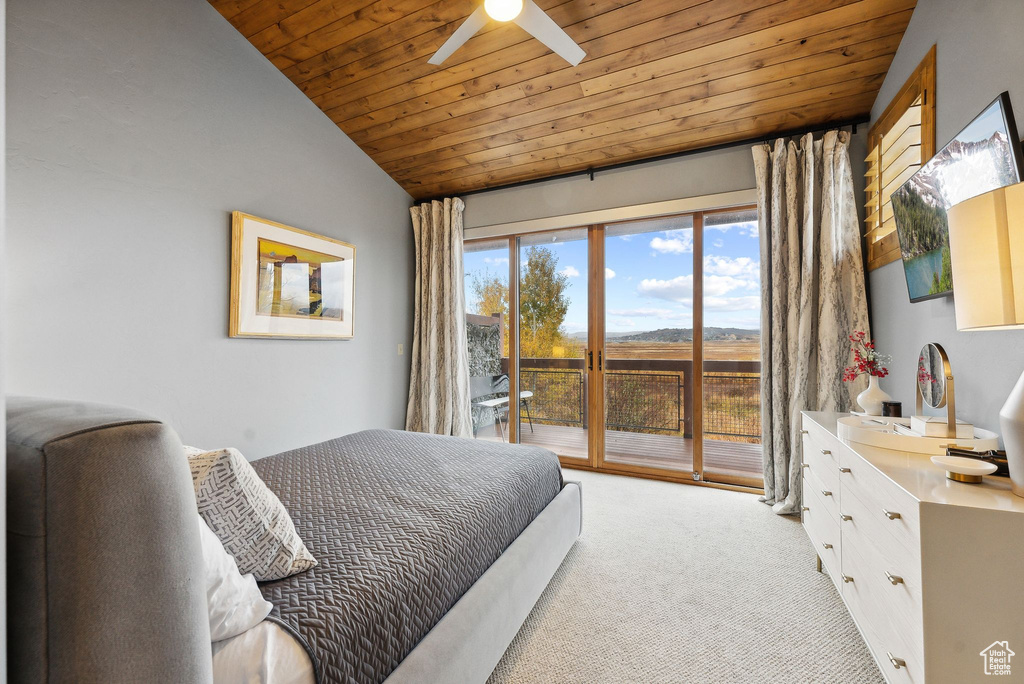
(751, 303)
(675, 245)
(677, 289)
(496, 260)
(643, 311)
(728, 266)
(749, 229)
(718, 285)
(680, 288)
(570, 271)
(718, 244)
(609, 274)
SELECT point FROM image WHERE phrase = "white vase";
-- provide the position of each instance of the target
(871, 399)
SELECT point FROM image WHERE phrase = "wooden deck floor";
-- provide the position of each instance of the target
(636, 448)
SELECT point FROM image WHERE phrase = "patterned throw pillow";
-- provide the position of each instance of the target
(246, 516)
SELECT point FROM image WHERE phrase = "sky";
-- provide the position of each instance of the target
(649, 274)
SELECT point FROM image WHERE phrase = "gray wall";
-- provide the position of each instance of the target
(705, 173)
(700, 174)
(979, 55)
(135, 127)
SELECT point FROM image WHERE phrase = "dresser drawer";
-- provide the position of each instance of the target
(894, 582)
(824, 534)
(821, 461)
(818, 442)
(828, 495)
(894, 509)
(866, 530)
(874, 612)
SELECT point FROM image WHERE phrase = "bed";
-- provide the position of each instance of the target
(432, 551)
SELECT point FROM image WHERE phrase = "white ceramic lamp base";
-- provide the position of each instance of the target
(1011, 420)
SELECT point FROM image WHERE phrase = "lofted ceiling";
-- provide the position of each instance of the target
(660, 76)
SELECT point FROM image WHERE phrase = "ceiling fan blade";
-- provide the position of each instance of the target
(542, 27)
(467, 30)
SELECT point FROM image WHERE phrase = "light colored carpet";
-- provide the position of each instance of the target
(673, 583)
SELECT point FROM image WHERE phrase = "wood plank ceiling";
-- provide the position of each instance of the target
(660, 76)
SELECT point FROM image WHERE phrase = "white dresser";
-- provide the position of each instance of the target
(931, 570)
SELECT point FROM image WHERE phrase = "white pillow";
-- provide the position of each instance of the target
(191, 451)
(234, 602)
(246, 516)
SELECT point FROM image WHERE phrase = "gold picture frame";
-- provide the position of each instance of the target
(289, 283)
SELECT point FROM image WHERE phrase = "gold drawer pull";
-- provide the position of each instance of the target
(896, 662)
(826, 452)
(804, 508)
(803, 432)
(805, 465)
(826, 492)
(893, 579)
(845, 517)
(891, 516)
(847, 579)
(826, 545)
(844, 470)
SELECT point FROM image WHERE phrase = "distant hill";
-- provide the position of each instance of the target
(679, 335)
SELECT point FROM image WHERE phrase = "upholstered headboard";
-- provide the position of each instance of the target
(104, 569)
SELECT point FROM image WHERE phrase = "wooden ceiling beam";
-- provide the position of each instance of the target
(411, 38)
(767, 124)
(321, 20)
(707, 107)
(521, 61)
(759, 30)
(782, 61)
(266, 13)
(743, 106)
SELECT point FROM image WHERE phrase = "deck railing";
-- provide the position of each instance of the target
(648, 395)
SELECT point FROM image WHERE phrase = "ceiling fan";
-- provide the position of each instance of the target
(527, 15)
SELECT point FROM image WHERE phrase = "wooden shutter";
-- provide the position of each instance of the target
(900, 141)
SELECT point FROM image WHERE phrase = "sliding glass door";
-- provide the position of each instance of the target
(630, 347)
(553, 342)
(732, 347)
(649, 380)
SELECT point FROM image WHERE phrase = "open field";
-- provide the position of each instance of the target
(717, 350)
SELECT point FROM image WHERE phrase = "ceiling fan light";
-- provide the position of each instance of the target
(503, 10)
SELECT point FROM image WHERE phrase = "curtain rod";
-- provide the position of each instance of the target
(795, 132)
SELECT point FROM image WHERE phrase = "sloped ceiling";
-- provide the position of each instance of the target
(660, 76)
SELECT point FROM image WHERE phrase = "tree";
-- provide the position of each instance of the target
(543, 305)
(491, 293)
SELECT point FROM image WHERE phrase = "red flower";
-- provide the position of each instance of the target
(865, 358)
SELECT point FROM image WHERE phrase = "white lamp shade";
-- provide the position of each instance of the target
(986, 246)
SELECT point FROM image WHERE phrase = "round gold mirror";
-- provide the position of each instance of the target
(932, 371)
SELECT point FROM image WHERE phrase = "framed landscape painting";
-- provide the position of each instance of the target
(983, 156)
(289, 283)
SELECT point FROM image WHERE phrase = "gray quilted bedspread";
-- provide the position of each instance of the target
(402, 524)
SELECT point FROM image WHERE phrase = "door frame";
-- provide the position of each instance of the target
(596, 343)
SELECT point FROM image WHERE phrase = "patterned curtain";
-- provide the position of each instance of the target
(812, 296)
(439, 381)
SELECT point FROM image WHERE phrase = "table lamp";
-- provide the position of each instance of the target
(986, 245)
